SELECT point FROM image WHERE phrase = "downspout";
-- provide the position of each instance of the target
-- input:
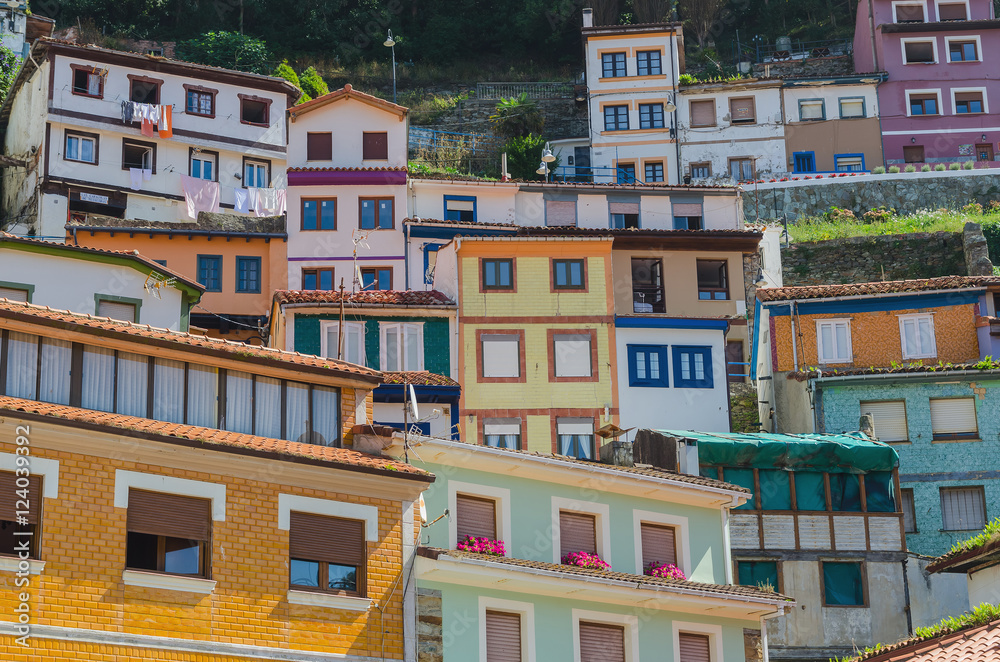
(906, 598)
(878, 116)
(677, 127)
(406, 254)
(795, 349)
(871, 28)
(763, 632)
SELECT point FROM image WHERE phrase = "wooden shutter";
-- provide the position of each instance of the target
(329, 539)
(173, 515)
(658, 544)
(13, 294)
(560, 213)
(624, 207)
(9, 497)
(962, 508)
(703, 113)
(742, 110)
(890, 419)
(476, 517)
(577, 533)
(600, 642)
(319, 146)
(375, 145)
(950, 12)
(694, 648)
(953, 416)
(687, 209)
(909, 14)
(503, 637)
(116, 310)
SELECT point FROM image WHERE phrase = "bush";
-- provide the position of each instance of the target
(838, 215)
(940, 167)
(925, 168)
(585, 560)
(285, 71)
(879, 215)
(893, 170)
(687, 79)
(969, 165)
(910, 168)
(524, 155)
(973, 208)
(993, 207)
(230, 50)
(313, 84)
(878, 170)
(517, 117)
(991, 231)
(955, 166)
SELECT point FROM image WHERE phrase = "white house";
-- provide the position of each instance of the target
(65, 119)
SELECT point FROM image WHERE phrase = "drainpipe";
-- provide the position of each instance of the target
(763, 632)
(677, 127)
(406, 257)
(881, 135)
(906, 599)
(871, 27)
(795, 350)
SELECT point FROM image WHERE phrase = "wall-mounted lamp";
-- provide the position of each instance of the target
(984, 137)
(913, 140)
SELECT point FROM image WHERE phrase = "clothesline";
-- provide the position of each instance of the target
(203, 195)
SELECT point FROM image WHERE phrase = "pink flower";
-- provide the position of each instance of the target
(585, 560)
(486, 546)
(664, 570)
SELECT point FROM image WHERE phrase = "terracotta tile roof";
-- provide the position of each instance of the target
(332, 169)
(638, 581)
(370, 297)
(346, 92)
(971, 644)
(145, 335)
(963, 559)
(417, 378)
(190, 435)
(638, 186)
(529, 231)
(437, 221)
(865, 289)
(992, 369)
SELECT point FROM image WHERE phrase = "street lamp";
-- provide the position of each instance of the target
(391, 43)
(547, 158)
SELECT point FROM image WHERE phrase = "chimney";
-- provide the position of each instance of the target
(588, 18)
(867, 426)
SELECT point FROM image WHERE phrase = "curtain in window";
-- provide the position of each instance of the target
(842, 584)
(267, 408)
(203, 396)
(239, 402)
(845, 492)
(296, 412)
(326, 410)
(411, 336)
(880, 495)
(98, 379)
(810, 490)
(168, 391)
(57, 357)
(775, 492)
(391, 348)
(132, 384)
(502, 432)
(743, 478)
(22, 365)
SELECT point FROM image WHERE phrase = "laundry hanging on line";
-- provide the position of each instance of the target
(200, 195)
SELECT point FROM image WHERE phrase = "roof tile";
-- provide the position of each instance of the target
(369, 297)
(417, 378)
(866, 289)
(974, 644)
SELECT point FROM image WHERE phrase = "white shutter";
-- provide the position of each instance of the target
(568, 426)
(502, 426)
(116, 310)
(12, 294)
(687, 209)
(810, 110)
(460, 205)
(331, 336)
(890, 419)
(560, 213)
(501, 356)
(852, 108)
(624, 207)
(953, 416)
(572, 355)
(962, 509)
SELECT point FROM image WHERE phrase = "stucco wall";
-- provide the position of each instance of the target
(27, 122)
(984, 586)
(935, 597)
(347, 119)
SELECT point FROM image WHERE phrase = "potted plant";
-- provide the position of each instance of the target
(585, 560)
(664, 570)
(486, 546)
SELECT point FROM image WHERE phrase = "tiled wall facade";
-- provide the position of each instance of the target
(925, 465)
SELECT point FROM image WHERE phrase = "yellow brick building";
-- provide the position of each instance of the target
(164, 540)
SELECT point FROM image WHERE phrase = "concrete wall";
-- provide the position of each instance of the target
(27, 117)
(935, 597)
(984, 586)
(347, 119)
(494, 200)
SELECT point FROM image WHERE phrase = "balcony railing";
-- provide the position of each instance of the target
(648, 300)
(533, 90)
(595, 175)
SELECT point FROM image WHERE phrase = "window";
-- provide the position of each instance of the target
(650, 115)
(692, 367)
(145, 90)
(81, 147)
(354, 342)
(923, 104)
(962, 51)
(626, 174)
(376, 278)
(889, 418)
(88, 81)
(742, 111)
(969, 103)
(849, 162)
(654, 172)
(659, 544)
(200, 101)
(963, 508)
(613, 65)
(913, 154)
(168, 533)
(833, 341)
(327, 554)
(11, 293)
(624, 214)
(919, 51)
(702, 113)
(648, 63)
(12, 499)
(498, 274)
(616, 118)
(843, 584)
(254, 110)
(460, 208)
(319, 214)
(701, 170)
(248, 274)
(256, 174)
(647, 366)
(577, 533)
(757, 573)
(916, 333)
(503, 636)
(375, 146)
(502, 433)
(713, 281)
(319, 147)
(560, 213)
(137, 154)
(908, 12)
(117, 310)
(687, 215)
(475, 516)
(811, 110)
(203, 165)
(647, 286)
(576, 439)
(500, 356)
(952, 11)
(741, 169)
(430, 261)
(377, 213)
(954, 418)
(693, 647)
(571, 355)
(317, 279)
(804, 161)
(402, 346)
(602, 642)
(568, 274)
(852, 108)
(909, 510)
(210, 272)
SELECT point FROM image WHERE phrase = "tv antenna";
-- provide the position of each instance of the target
(360, 238)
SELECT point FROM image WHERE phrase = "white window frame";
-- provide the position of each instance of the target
(864, 108)
(902, 335)
(922, 3)
(681, 538)
(819, 340)
(957, 90)
(979, 53)
(402, 329)
(602, 514)
(500, 495)
(808, 102)
(80, 140)
(49, 471)
(935, 91)
(630, 622)
(919, 40)
(714, 633)
(324, 350)
(256, 166)
(937, 10)
(527, 613)
(204, 156)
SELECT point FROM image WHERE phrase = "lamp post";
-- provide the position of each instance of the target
(547, 158)
(391, 44)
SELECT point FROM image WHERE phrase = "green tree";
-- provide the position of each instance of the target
(230, 50)
(524, 153)
(313, 84)
(517, 117)
(9, 65)
(285, 71)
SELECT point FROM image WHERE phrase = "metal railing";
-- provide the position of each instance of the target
(533, 90)
(802, 50)
(594, 175)
(432, 140)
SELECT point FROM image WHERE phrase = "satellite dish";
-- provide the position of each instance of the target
(423, 509)
(414, 412)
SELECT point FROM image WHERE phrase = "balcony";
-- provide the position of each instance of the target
(648, 300)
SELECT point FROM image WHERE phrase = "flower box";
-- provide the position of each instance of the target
(486, 546)
(586, 560)
(664, 570)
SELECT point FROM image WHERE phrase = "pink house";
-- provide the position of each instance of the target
(942, 100)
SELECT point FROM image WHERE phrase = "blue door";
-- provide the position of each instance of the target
(805, 161)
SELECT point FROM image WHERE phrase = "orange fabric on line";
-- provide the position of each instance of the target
(166, 125)
(147, 128)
